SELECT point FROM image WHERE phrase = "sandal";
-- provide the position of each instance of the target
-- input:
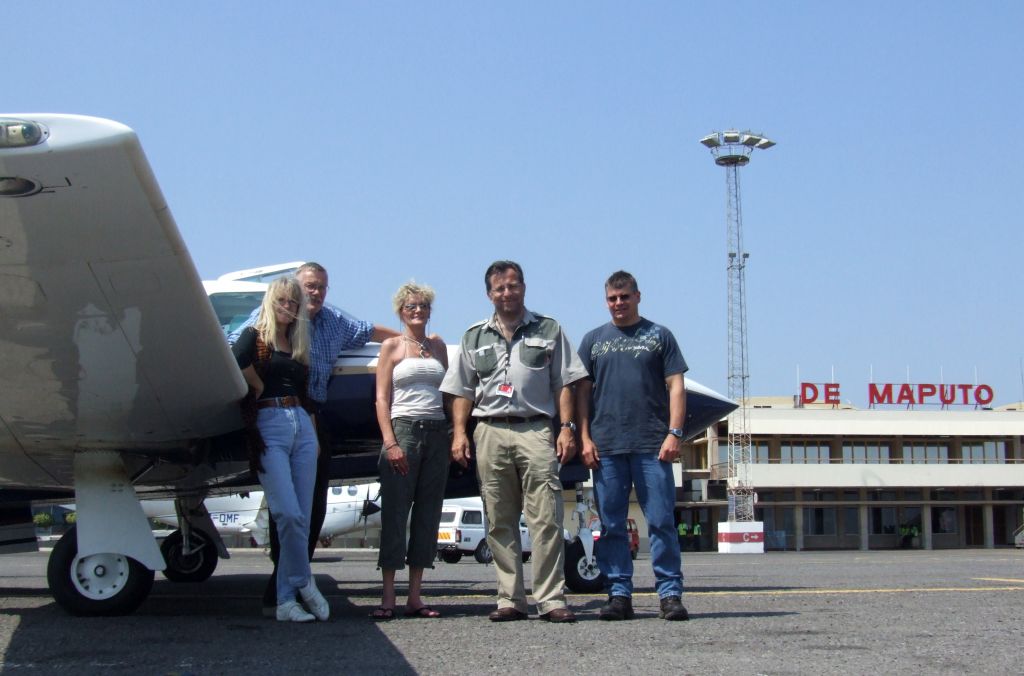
(422, 611)
(382, 613)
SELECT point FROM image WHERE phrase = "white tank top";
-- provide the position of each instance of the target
(414, 393)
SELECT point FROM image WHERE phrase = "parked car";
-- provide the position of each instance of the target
(463, 531)
(632, 536)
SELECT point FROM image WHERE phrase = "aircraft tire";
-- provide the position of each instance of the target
(195, 567)
(97, 585)
(581, 576)
(483, 553)
(450, 555)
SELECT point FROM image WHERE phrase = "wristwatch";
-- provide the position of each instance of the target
(676, 432)
(571, 425)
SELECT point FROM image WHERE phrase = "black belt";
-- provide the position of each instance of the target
(289, 401)
(511, 419)
(423, 423)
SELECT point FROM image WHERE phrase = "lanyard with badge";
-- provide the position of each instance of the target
(506, 389)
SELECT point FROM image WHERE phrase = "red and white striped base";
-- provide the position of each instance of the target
(741, 537)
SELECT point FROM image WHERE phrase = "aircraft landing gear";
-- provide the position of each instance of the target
(193, 563)
(98, 584)
(581, 572)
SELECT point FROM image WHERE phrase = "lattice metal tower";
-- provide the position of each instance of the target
(732, 149)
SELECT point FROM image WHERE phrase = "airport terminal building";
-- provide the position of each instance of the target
(830, 476)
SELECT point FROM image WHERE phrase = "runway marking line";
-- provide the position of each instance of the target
(825, 592)
(777, 592)
(997, 579)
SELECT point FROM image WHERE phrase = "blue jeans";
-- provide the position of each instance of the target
(656, 493)
(289, 464)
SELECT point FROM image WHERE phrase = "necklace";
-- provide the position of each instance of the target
(506, 329)
(424, 346)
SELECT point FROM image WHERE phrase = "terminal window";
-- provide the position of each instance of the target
(944, 520)
(804, 452)
(819, 521)
(865, 452)
(883, 520)
(983, 452)
(758, 453)
(921, 453)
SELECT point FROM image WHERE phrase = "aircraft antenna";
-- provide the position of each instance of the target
(732, 149)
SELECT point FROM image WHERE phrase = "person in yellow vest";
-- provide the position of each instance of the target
(697, 531)
(683, 532)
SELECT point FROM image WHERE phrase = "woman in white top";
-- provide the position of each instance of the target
(415, 456)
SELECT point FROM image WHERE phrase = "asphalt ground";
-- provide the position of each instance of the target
(939, 612)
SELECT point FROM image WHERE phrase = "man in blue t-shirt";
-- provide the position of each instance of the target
(630, 413)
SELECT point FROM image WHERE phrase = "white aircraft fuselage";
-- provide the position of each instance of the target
(246, 513)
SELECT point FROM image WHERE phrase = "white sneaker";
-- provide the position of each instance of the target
(291, 611)
(315, 601)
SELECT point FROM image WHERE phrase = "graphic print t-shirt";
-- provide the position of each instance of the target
(629, 405)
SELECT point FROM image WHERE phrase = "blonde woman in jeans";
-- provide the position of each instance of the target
(415, 456)
(274, 358)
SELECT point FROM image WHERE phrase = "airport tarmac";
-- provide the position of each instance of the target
(924, 612)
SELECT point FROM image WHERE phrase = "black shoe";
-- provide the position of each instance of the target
(672, 609)
(617, 608)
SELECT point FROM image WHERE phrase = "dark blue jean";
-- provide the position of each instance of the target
(656, 493)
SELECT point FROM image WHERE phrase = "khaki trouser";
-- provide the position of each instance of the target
(518, 472)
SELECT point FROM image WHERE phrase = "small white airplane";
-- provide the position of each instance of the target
(349, 508)
(116, 382)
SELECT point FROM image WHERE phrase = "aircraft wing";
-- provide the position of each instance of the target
(107, 338)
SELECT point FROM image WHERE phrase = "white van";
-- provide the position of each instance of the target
(463, 530)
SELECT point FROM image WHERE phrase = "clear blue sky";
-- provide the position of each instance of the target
(394, 140)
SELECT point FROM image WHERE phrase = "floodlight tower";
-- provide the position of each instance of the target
(732, 149)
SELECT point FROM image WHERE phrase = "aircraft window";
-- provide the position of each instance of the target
(233, 308)
(336, 490)
(352, 490)
(472, 517)
(447, 517)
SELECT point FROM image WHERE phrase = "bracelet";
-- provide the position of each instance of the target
(388, 447)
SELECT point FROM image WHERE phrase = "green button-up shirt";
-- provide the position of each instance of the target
(538, 363)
